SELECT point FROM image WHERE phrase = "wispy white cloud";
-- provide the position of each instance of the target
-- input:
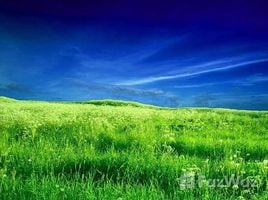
(257, 78)
(249, 81)
(196, 70)
(199, 85)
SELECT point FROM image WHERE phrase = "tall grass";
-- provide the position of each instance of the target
(121, 151)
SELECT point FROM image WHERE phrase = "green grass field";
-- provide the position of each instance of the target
(125, 150)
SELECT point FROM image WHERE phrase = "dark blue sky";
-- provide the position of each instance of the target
(168, 53)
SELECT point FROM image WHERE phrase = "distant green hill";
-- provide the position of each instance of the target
(122, 103)
(111, 102)
(6, 99)
(101, 102)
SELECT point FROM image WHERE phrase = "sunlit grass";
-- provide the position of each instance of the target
(105, 150)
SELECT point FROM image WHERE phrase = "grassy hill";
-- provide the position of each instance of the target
(111, 102)
(6, 99)
(125, 150)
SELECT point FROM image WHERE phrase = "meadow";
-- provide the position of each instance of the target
(124, 150)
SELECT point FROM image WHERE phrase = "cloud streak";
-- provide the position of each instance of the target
(249, 81)
(213, 68)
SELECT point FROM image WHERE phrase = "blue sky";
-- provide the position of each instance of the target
(177, 53)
